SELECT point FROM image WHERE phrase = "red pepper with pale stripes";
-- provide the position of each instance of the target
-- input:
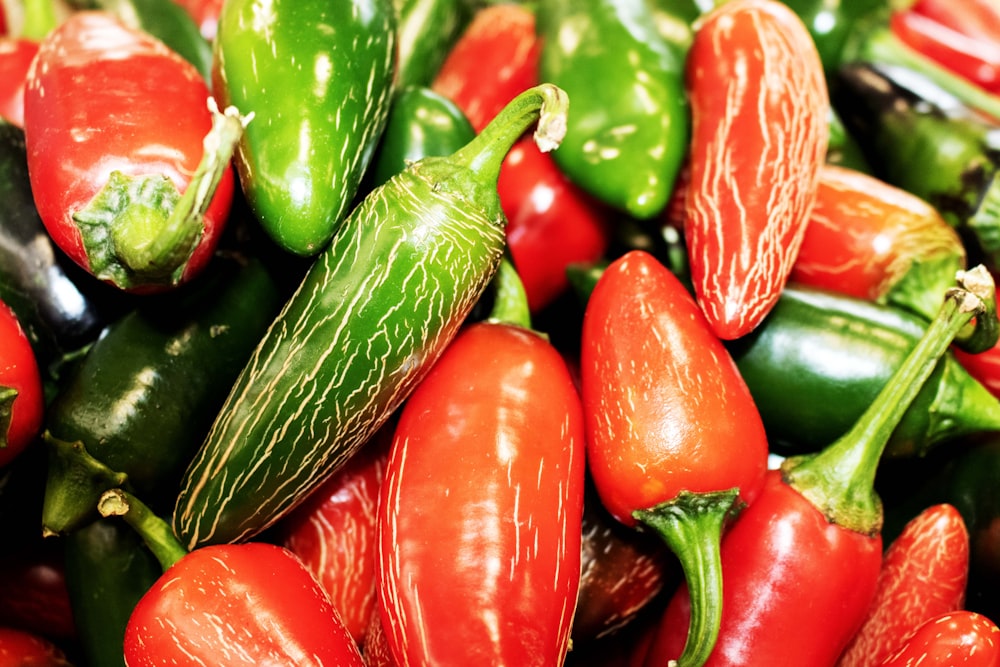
(956, 639)
(759, 107)
(924, 573)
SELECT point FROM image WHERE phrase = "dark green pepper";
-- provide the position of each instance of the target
(318, 78)
(421, 123)
(108, 569)
(425, 33)
(920, 138)
(139, 403)
(819, 359)
(627, 133)
(61, 308)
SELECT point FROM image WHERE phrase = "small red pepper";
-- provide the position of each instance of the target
(674, 438)
(874, 241)
(129, 166)
(19, 648)
(16, 54)
(485, 479)
(759, 109)
(956, 639)
(976, 18)
(333, 532)
(972, 58)
(22, 400)
(818, 520)
(924, 573)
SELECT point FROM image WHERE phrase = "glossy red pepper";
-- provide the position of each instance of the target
(817, 520)
(16, 54)
(976, 18)
(114, 126)
(973, 58)
(479, 520)
(22, 401)
(924, 573)
(874, 241)
(19, 648)
(759, 108)
(956, 639)
(673, 435)
(333, 533)
(551, 223)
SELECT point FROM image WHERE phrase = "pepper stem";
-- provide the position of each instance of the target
(153, 530)
(7, 396)
(691, 525)
(510, 301)
(546, 103)
(840, 479)
(39, 19)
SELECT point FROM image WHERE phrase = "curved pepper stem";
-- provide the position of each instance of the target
(691, 525)
(510, 301)
(840, 480)
(139, 230)
(153, 530)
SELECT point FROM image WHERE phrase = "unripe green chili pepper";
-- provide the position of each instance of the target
(318, 76)
(922, 139)
(819, 359)
(371, 316)
(425, 33)
(139, 403)
(628, 132)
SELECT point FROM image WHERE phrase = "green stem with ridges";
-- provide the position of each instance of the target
(510, 301)
(691, 525)
(839, 480)
(153, 530)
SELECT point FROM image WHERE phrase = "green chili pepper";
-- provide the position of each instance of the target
(627, 133)
(819, 359)
(140, 401)
(108, 569)
(318, 78)
(371, 316)
(425, 32)
(922, 139)
(421, 123)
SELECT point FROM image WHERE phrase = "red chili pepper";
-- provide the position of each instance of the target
(376, 645)
(16, 54)
(984, 366)
(22, 400)
(485, 479)
(114, 125)
(956, 639)
(972, 58)
(759, 108)
(871, 240)
(976, 18)
(673, 435)
(924, 573)
(551, 222)
(801, 563)
(333, 533)
(19, 648)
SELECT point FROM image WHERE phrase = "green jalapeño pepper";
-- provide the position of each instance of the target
(318, 78)
(627, 133)
(922, 139)
(819, 359)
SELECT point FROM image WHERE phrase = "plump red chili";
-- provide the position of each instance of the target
(19, 648)
(22, 400)
(759, 108)
(16, 54)
(956, 639)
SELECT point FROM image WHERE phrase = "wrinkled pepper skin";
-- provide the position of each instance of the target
(318, 77)
(759, 137)
(833, 353)
(629, 128)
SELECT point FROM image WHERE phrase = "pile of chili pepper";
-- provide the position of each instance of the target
(596, 333)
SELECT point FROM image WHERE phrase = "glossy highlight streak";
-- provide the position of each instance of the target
(759, 136)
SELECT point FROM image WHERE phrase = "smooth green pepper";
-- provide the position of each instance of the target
(425, 32)
(819, 359)
(140, 401)
(318, 78)
(922, 139)
(421, 123)
(627, 131)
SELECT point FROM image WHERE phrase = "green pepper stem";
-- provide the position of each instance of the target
(546, 103)
(691, 525)
(878, 44)
(510, 301)
(153, 530)
(840, 479)
(39, 19)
